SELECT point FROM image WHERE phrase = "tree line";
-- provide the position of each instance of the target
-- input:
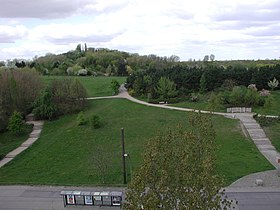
(181, 79)
(22, 91)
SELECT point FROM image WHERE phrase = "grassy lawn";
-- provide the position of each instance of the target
(96, 86)
(272, 132)
(65, 152)
(274, 110)
(10, 141)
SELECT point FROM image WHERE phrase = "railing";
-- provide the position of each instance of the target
(239, 110)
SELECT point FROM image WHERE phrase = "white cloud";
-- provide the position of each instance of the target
(229, 29)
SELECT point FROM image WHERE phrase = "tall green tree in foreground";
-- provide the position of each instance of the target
(178, 171)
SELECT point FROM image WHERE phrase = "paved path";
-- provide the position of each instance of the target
(33, 136)
(253, 129)
(259, 137)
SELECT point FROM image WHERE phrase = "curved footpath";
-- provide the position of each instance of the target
(266, 179)
(258, 136)
(33, 136)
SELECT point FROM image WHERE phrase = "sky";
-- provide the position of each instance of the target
(235, 29)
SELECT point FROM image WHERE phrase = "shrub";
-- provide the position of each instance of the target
(237, 96)
(115, 85)
(44, 107)
(252, 97)
(81, 119)
(16, 123)
(266, 121)
(264, 92)
(95, 121)
(252, 87)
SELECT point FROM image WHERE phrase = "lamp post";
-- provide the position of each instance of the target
(123, 156)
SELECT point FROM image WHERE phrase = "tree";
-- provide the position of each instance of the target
(101, 162)
(69, 95)
(178, 171)
(115, 85)
(273, 84)
(202, 83)
(212, 57)
(16, 124)
(206, 58)
(44, 107)
(166, 88)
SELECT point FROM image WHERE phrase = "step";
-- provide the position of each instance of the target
(266, 147)
(262, 142)
(252, 126)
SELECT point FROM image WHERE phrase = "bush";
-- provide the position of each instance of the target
(44, 107)
(252, 97)
(16, 123)
(81, 119)
(266, 121)
(115, 85)
(95, 121)
(237, 96)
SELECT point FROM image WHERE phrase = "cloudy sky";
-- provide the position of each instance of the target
(235, 29)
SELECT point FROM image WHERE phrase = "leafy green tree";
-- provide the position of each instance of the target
(115, 85)
(166, 88)
(16, 123)
(178, 171)
(44, 107)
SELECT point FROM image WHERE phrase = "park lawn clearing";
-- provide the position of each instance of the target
(65, 153)
(10, 141)
(95, 86)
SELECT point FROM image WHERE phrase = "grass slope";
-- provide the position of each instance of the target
(272, 132)
(96, 86)
(64, 153)
(10, 141)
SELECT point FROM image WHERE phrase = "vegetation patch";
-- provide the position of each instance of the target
(95, 86)
(9, 141)
(68, 154)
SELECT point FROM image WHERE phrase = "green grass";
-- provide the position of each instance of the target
(274, 110)
(272, 131)
(64, 153)
(10, 141)
(95, 86)
(198, 105)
